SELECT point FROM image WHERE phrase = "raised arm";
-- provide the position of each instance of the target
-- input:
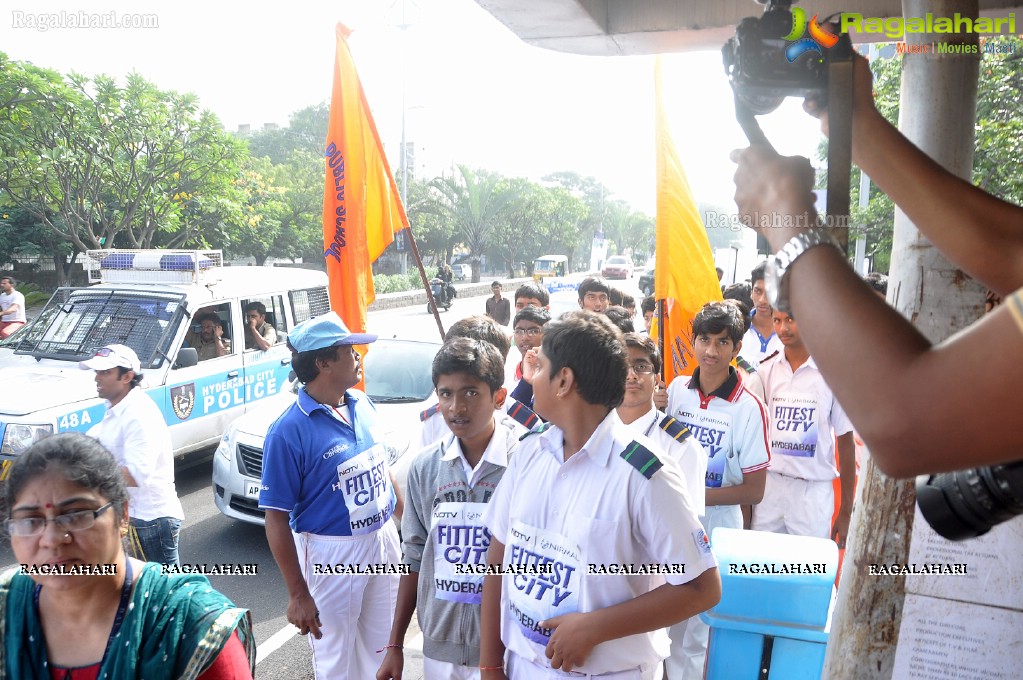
(919, 408)
(977, 231)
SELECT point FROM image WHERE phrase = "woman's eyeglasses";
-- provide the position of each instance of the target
(71, 521)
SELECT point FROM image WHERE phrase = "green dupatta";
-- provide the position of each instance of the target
(175, 627)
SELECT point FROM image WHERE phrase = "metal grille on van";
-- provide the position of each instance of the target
(250, 461)
(78, 321)
(309, 302)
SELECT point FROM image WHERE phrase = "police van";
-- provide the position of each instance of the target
(153, 301)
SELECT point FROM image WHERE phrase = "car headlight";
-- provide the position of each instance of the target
(226, 446)
(20, 436)
(396, 444)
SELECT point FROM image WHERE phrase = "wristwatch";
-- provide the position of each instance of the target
(777, 269)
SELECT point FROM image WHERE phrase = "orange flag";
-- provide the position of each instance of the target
(362, 210)
(684, 276)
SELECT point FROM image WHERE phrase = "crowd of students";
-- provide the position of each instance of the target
(554, 519)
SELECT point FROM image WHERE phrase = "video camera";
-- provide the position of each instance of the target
(764, 63)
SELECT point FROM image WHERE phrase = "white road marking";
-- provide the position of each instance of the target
(275, 642)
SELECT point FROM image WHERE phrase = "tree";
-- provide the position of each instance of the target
(472, 201)
(998, 142)
(100, 164)
(21, 234)
(305, 133)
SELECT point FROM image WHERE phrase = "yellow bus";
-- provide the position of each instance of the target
(549, 265)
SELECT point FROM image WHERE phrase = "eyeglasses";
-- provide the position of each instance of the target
(531, 332)
(71, 521)
(642, 368)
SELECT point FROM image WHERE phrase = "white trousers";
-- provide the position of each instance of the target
(445, 670)
(688, 650)
(355, 611)
(795, 506)
(523, 669)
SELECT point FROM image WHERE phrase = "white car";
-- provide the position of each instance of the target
(462, 272)
(399, 381)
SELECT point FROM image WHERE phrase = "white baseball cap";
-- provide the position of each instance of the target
(113, 356)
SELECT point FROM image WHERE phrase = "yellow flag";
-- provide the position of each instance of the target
(362, 210)
(684, 275)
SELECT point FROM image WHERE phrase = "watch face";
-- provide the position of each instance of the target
(772, 280)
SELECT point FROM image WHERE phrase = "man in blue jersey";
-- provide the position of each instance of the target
(329, 497)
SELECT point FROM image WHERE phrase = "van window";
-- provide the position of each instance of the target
(309, 302)
(75, 323)
(201, 334)
(272, 307)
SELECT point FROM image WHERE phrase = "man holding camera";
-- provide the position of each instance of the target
(891, 396)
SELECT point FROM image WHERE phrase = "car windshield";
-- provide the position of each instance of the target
(617, 260)
(77, 322)
(399, 371)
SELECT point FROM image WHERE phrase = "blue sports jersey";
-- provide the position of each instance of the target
(331, 476)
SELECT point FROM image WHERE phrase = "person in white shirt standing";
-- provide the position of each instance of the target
(134, 431)
(805, 420)
(12, 307)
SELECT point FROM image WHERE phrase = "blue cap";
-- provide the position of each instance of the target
(326, 330)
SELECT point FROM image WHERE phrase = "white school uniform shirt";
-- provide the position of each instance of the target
(135, 432)
(756, 348)
(731, 424)
(687, 452)
(804, 420)
(434, 428)
(595, 508)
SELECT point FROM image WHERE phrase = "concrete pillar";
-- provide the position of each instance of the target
(937, 112)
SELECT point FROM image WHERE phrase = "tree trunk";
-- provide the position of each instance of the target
(937, 112)
(61, 269)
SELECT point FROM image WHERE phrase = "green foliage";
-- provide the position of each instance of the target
(304, 134)
(104, 164)
(472, 200)
(93, 162)
(998, 140)
(34, 295)
(397, 283)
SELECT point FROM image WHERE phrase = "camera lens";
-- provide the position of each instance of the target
(758, 103)
(967, 503)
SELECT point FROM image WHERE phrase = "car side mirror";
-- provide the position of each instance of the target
(187, 356)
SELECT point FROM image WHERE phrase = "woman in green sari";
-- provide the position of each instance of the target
(77, 608)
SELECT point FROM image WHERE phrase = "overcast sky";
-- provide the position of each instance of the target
(474, 92)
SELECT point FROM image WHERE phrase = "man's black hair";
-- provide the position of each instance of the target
(615, 297)
(135, 381)
(537, 315)
(629, 302)
(594, 284)
(256, 305)
(594, 349)
(531, 290)
(8, 277)
(878, 282)
(740, 292)
(757, 274)
(473, 357)
(495, 283)
(649, 304)
(210, 316)
(715, 317)
(482, 328)
(304, 363)
(620, 317)
(646, 344)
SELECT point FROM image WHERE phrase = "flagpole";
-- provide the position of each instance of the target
(426, 281)
(660, 339)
